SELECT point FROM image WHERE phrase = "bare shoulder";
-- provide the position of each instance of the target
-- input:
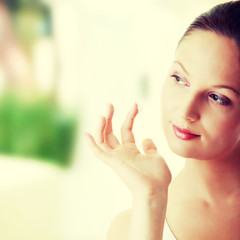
(119, 227)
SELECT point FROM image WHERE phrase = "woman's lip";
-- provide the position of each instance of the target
(183, 133)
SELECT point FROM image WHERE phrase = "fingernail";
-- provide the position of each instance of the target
(107, 110)
(140, 108)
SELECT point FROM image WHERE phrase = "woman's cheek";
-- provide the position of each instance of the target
(166, 102)
(170, 101)
(227, 128)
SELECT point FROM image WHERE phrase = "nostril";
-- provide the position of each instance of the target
(192, 117)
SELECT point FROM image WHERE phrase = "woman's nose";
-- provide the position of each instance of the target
(189, 108)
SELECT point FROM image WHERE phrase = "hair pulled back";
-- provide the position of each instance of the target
(223, 19)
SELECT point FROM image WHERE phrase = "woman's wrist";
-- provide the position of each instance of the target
(151, 196)
(156, 201)
(148, 216)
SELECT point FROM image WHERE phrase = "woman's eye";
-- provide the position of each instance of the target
(220, 100)
(180, 80)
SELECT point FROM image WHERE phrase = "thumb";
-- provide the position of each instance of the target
(149, 147)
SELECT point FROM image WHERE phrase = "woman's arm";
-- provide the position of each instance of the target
(148, 216)
(146, 175)
(144, 221)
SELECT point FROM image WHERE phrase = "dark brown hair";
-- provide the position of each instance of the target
(223, 19)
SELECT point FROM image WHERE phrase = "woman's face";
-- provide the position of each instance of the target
(201, 97)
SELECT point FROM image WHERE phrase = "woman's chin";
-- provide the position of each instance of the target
(185, 151)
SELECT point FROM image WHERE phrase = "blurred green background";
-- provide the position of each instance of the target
(31, 20)
(37, 129)
(33, 123)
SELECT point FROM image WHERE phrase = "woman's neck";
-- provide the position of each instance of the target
(212, 179)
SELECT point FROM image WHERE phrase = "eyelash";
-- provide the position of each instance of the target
(220, 100)
(178, 80)
(217, 99)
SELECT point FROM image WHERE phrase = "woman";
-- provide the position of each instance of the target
(201, 121)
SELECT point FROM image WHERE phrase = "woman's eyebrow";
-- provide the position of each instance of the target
(228, 87)
(180, 64)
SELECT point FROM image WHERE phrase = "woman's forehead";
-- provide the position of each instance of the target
(209, 54)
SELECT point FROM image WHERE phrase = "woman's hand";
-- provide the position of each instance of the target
(145, 174)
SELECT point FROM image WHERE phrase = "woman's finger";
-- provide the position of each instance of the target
(126, 130)
(110, 138)
(96, 149)
(100, 134)
(149, 147)
(100, 130)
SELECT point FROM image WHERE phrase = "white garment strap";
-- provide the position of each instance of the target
(167, 233)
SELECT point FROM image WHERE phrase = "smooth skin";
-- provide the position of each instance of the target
(202, 202)
(146, 175)
(204, 198)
